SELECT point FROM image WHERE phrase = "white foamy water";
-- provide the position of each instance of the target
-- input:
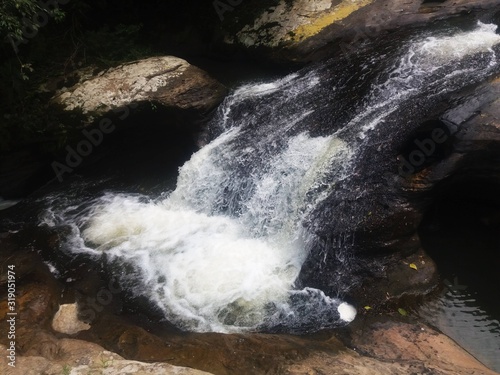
(290, 86)
(197, 267)
(5, 203)
(433, 51)
(223, 251)
(422, 59)
(213, 272)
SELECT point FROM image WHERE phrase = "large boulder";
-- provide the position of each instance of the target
(301, 30)
(165, 81)
(165, 88)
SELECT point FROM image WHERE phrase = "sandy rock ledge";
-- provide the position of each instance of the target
(76, 357)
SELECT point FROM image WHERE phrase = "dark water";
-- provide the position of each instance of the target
(462, 234)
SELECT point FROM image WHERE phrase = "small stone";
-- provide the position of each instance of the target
(66, 320)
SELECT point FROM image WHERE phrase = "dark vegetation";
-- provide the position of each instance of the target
(47, 45)
(75, 35)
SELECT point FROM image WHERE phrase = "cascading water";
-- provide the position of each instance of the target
(224, 250)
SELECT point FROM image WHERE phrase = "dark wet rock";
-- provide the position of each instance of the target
(97, 107)
(212, 352)
(21, 171)
(378, 215)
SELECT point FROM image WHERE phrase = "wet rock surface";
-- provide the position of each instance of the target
(393, 347)
(394, 190)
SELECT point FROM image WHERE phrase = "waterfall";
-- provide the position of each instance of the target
(223, 251)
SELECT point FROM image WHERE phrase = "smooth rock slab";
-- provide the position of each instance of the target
(78, 357)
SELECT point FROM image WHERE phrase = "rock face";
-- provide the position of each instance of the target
(78, 357)
(289, 23)
(166, 81)
(299, 30)
(419, 342)
(474, 127)
(460, 135)
(414, 343)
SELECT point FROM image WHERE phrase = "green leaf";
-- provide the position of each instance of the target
(402, 312)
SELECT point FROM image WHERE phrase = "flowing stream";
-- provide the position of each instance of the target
(223, 251)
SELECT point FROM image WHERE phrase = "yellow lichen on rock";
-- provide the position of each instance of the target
(341, 11)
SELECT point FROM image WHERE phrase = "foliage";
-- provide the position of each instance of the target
(15, 15)
(79, 34)
(12, 13)
(110, 46)
(60, 47)
(66, 370)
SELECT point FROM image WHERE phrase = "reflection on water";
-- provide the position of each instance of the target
(4, 204)
(458, 314)
(461, 233)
